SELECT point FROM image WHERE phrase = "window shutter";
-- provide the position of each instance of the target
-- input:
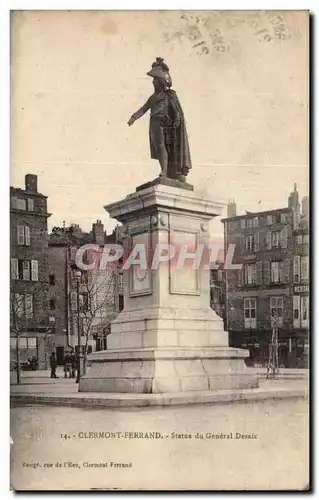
(19, 304)
(281, 271)
(304, 267)
(28, 305)
(14, 269)
(73, 253)
(21, 204)
(243, 223)
(304, 311)
(30, 204)
(27, 235)
(283, 237)
(14, 202)
(268, 240)
(266, 272)
(26, 270)
(34, 270)
(73, 298)
(259, 273)
(256, 242)
(296, 305)
(286, 271)
(241, 276)
(20, 235)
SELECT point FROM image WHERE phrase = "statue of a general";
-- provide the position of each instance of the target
(168, 136)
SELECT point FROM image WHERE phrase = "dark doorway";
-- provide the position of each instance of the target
(60, 355)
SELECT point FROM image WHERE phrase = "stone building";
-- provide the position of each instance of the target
(100, 295)
(29, 278)
(272, 286)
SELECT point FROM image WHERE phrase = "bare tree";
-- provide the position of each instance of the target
(98, 305)
(25, 314)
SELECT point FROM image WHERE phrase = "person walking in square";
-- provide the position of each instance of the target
(67, 365)
(53, 365)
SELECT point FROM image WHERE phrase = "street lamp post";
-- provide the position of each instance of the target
(78, 275)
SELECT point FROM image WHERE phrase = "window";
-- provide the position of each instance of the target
(250, 313)
(275, 272)
(301, 311)
(304, 263)
(14, 202)
(26, 270)
(306, 239)
(250, 274)
(276, 311)
(250, 223)
(73, 300)
(269, 220)
(52, 279)
(252, 242)
(296, 307)
(28, 306)
(296, 268)
(284, 238)
(275, 239)
(14, 269)
(23, 342)
(18, 305)
(299, 239)
(304, 311)
(52, 304)
(220, 275)
(121, 283)
(21, 204)
(249, 242)
(84, 302)
(30, 204)
(73, 253)
(255, 221)
(20, 235)
(23, 235)
(32, 342)
(283, 218)
(23, 305)
(242, 223)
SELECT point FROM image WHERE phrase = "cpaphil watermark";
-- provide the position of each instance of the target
(212, 256)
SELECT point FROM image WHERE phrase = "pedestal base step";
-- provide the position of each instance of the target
(149, 371)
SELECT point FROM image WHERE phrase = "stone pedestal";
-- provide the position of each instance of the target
(167, 339)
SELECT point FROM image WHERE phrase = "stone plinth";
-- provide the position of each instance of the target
(167, 338)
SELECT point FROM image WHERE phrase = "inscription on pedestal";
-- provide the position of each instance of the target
(184, 279)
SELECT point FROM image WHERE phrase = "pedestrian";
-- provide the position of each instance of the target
(53, 365)
(67, 365)
(73, 364)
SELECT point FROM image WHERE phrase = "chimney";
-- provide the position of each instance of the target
(98, 233)
(305, 207)
(293, 200)
(31, 183)
(231, 209)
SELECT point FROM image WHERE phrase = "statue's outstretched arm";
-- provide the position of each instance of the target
(139, 113)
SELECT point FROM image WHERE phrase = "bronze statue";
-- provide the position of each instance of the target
(168, 136)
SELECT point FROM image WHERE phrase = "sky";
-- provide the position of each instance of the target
(77, 76)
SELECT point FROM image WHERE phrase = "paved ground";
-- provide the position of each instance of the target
(274, 457)
(39, 382)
